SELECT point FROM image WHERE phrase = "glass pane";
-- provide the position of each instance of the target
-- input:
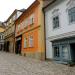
(72, 14)
(65, 52)
(56, 22)
(56, 52)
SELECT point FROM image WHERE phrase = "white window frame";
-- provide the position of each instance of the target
(70, 4)
(26, 23)
(14, 17)
(58, 21)
(25, 42)
(10, 21)
(18, 27)
(55, 13)
(31, 41)
(31, 19)
(70, 17)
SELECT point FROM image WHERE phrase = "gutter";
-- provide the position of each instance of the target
(49, 4)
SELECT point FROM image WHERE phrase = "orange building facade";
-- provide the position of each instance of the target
(29, 35)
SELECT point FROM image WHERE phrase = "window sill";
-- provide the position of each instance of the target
(28, 47)
(71, 23)
(56, 28)
(31, 24)
(25, 48)
(26, 27)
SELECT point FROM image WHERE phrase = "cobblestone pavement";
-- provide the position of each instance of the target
(11, 64)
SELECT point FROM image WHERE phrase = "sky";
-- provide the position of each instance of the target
(8, 6)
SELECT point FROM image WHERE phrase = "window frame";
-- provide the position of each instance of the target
(31, 19)
(54, 51)
(26, 23)
(25, 42)
(71, 15)
(31, 41)
(53, 21)
(18, 27)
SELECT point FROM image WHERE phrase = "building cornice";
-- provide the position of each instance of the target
(28, 30)
(62, 36)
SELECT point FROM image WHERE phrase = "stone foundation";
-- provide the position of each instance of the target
(37, 55)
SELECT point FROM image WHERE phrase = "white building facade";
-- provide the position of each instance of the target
(60, 31)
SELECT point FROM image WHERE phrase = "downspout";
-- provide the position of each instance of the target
(44, 33)
(45, 24)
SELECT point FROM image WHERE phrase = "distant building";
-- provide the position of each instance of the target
(60, 31)
(2, 28)
(10, 30)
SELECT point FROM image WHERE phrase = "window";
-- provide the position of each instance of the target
(14, 17)
(71, 13)
(30, 41)
(6, 24)
(18, 27)
(0, 36)
(25, 42)
(56, 51)
(31, 20)
(26, 23)
(22, 25)
(65, 52)
(55, 22)
(10, 21)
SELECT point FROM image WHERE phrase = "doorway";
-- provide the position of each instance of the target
(72, 46)
(18, 47)
(7, 46)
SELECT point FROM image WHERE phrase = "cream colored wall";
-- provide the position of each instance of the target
(2, 29)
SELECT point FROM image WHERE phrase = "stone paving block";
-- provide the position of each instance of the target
(11, 64)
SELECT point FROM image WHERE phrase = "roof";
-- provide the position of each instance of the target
(48, 3)
(36, 2)
(2, 24)
(22, 10)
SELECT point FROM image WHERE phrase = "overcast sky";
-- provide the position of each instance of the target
(8, 6)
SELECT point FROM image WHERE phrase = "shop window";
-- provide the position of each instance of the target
(56, 51)
(65, 52)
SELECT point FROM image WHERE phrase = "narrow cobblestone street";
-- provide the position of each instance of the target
(11, 64)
